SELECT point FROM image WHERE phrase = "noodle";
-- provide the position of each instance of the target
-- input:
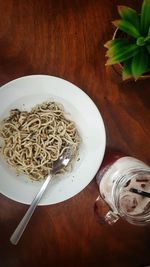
(33, 141)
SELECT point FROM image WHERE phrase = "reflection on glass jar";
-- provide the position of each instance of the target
(116, 181)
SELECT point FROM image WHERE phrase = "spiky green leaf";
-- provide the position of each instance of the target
(139, 63)
(127, 72)
(127, 27)
(117, 44)
(123, 54)
(114, 42)
(145, 17)
(130, 15)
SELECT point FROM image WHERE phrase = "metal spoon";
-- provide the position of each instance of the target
(62, 161)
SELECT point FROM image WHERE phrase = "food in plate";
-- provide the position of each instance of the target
(32, 141)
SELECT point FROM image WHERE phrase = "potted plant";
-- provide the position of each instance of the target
(130, 46)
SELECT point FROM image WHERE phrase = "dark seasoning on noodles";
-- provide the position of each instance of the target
(32, 141)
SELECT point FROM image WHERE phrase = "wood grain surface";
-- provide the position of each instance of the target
(65, 38)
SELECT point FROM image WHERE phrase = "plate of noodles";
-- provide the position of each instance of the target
(40, 117)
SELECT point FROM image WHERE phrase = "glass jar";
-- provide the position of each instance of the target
(116, 179)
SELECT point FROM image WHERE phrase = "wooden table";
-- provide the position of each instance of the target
(65, 39)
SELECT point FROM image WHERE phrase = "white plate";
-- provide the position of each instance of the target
(24, 93)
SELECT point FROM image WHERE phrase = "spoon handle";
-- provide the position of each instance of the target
(14, 239)
(140, 192)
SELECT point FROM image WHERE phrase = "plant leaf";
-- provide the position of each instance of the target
(110, 43)
(148, 67)
(149, 31)
(116, 45)
(148, 48)
(147, 39)
(123, 54)
(145, 17)
(139, 63)
(130, 15)
(127, 27)
(127, 72)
